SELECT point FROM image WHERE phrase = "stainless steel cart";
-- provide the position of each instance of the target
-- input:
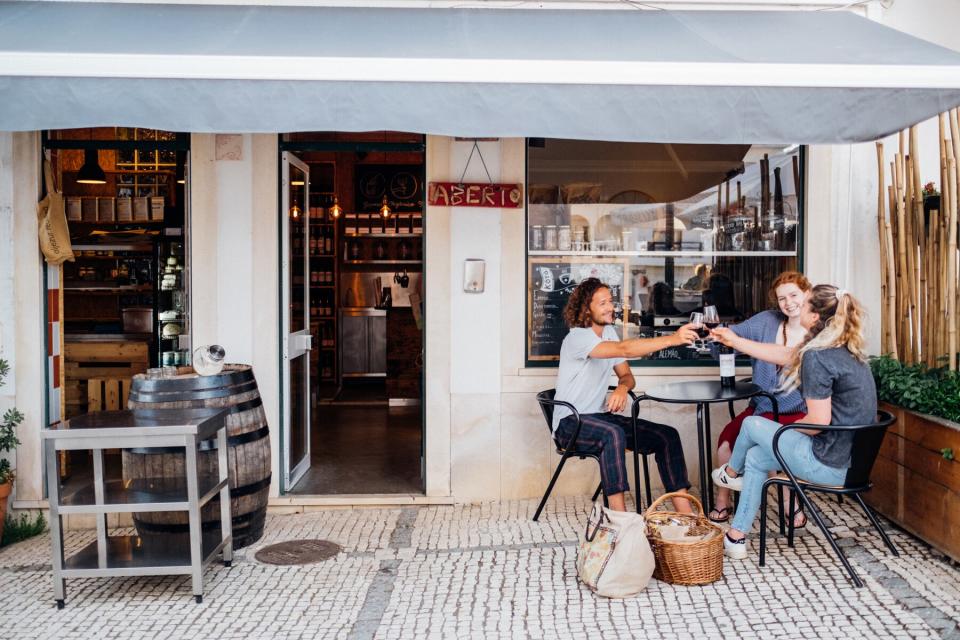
(132, 555)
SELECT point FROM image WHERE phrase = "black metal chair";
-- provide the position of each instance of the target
(736, 494)
(547, 402)
(867, 440)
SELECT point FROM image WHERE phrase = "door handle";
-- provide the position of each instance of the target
(308, 342)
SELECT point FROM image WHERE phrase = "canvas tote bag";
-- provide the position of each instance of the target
(615, 559)
(52, 220)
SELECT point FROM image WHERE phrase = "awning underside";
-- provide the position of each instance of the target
(656, 76)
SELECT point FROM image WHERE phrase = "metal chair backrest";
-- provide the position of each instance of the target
(867, 440)
(547, 407)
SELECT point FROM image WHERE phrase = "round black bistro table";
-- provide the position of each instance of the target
(701, 393)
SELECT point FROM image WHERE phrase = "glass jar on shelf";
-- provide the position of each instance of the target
(536, 238)
(550, 237)
(563, 238)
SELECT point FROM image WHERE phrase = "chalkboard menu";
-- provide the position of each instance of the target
(551, 283)
(401, 183)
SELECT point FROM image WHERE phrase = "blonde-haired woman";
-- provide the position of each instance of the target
(830, 367)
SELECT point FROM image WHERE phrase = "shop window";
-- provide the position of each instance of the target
(671, 228)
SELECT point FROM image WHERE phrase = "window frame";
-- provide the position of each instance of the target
(645, 362)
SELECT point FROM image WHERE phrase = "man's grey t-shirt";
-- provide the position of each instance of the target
(836, 374)
(582, 381)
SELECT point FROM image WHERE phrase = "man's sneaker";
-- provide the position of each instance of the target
(723, 481)
(736, 549)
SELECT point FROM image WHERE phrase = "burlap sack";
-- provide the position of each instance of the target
(52, 222)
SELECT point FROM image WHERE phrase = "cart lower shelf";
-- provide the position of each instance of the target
(133, 556)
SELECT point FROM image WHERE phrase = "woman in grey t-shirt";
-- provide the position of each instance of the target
(837, 387)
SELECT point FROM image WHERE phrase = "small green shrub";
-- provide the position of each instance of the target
(8, 430)
(20, 528)
(935, 392)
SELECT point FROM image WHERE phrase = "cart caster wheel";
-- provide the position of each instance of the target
(199, 599)
(228, 563)
(60, 604)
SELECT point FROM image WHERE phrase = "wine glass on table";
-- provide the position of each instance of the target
(711, 319)
(697, 322)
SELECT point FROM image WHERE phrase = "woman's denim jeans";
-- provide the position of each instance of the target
(753, 459)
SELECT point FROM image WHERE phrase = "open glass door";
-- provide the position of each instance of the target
(295, 220)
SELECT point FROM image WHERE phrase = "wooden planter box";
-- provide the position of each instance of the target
(914, 485)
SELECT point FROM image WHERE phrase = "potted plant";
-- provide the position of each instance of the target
(931, 198)
(916, 476)
(8, 440)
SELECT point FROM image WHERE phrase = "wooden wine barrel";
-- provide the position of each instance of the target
(248, 438)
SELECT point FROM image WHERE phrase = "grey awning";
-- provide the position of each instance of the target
(659, 76)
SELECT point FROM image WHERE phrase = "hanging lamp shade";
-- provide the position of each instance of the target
(90, 172)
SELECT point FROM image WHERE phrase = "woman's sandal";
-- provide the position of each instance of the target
(723, 514)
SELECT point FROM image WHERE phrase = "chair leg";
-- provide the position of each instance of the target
(596, 493)
(636, 473)
(646, 481)
(553, 481)
(876, 525)
(793, 516)
(839, 498)
(813, 513)
(763, 525)
(780, 511)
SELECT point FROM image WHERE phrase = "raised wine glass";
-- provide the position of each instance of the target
(711, 319)
(696, 320)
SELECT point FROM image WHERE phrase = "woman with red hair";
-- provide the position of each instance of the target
(779, 326)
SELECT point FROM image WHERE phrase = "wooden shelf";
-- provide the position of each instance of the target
(382, 235)
(93, 288)
(114, 223)
(142, 255)
(382, 262)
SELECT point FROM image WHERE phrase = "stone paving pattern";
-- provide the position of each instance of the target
(487, 571)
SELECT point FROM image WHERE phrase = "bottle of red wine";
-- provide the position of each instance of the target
(727, 367)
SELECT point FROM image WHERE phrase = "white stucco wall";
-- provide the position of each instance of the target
(21, 306)
(233, 210)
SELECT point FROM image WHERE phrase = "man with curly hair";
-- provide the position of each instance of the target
(590, 354)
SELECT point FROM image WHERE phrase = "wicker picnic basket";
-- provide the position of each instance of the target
(679, 562)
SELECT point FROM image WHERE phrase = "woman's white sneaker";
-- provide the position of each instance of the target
(723, 481)
(735, 549)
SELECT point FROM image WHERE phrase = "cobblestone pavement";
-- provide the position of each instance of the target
(487, 571)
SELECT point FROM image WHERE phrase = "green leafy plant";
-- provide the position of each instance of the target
(930, 189)
(8, 428)
(947, 453)
(935, 392)
(20, 528)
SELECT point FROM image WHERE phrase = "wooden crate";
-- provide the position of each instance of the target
(914, 484)
(107, 394)
(86, 362)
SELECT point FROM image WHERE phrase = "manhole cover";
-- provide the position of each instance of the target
(298, 552)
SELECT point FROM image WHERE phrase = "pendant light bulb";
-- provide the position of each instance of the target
(91, 172)
(385, 209)
(336, 209)
(294, 212)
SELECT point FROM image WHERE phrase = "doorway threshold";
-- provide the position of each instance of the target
(302, 503)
